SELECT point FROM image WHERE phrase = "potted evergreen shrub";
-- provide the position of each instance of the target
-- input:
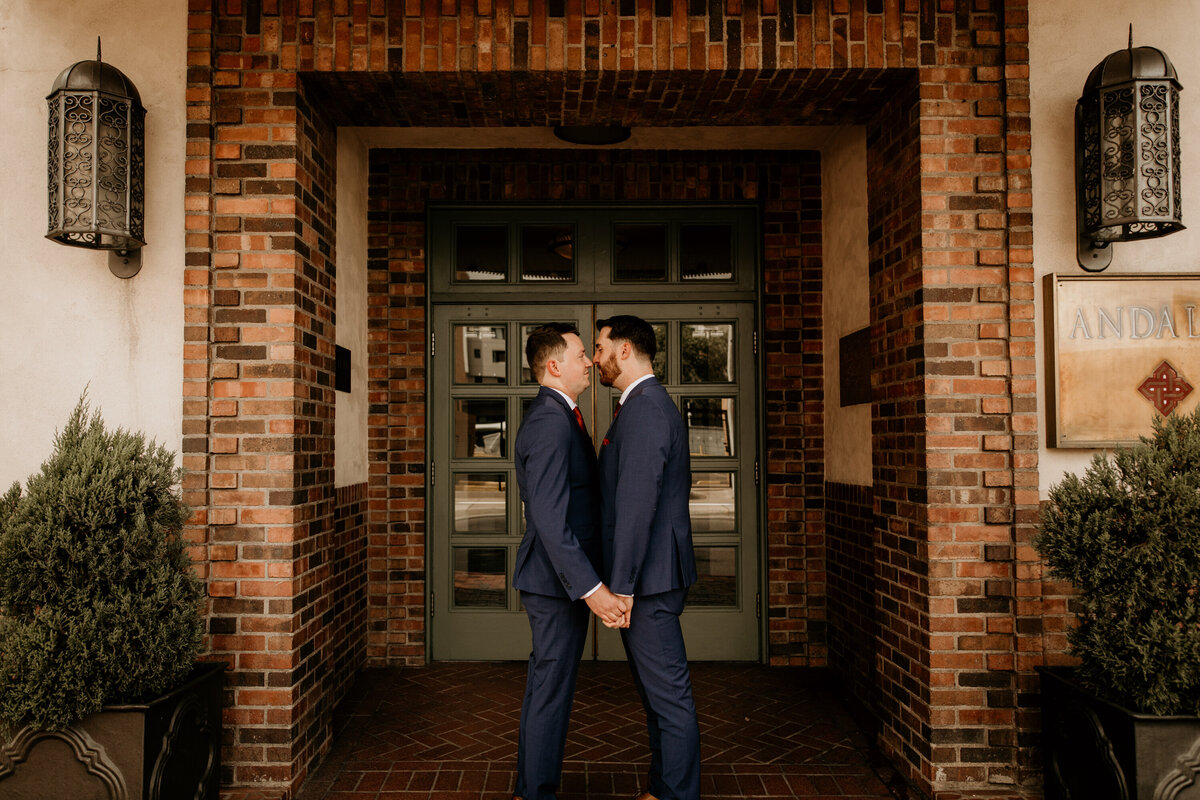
(101, 695)
(1123, 723)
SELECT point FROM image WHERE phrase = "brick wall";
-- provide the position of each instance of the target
(795, 430)
(850, 565)
(898, 414)
(343, 647)
(942, 87)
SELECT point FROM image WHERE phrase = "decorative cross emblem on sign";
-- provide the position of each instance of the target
(1165, 388)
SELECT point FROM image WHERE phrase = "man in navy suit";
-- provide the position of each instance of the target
(558, 562)
(645, 478)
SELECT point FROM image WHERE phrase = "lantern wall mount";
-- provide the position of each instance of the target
(1127, 172)
(97, 163)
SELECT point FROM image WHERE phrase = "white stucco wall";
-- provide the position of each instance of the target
(1067, 39)
(66, 322)
(846, 301)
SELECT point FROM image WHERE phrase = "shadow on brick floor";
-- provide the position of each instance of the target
(449, 731)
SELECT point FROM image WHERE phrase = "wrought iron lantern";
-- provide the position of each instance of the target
(97, 163)
(1127, 153)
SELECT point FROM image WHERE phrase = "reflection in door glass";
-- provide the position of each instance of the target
(548, 253)
(639, 252)
(660, 357)
(706, 252)
(526, 372)
(707, 353)
(480, 502)
(710, 425)
(480, 577)
(711, 502)
(716, 584)
(480, 253)
(479, 354)
(479, 428)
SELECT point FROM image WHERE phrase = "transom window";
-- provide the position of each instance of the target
(490, 252)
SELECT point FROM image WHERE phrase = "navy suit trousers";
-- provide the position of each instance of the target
(654, 644)
(559, 630)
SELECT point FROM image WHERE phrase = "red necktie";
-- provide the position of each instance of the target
(617, 410)
(579, 419)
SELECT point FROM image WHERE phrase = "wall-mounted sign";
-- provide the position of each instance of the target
(1122, 349)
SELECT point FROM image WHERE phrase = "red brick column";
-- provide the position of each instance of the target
(980, 403)
(259, 402)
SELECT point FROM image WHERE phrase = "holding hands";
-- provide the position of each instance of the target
(613, 610)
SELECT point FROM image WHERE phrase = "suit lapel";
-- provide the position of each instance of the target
(613, 427)
(558, 401)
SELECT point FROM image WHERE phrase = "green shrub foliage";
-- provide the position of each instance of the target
(98, 600)
(1127, 535)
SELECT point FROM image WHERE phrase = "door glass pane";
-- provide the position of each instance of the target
(548, 252)
(480, 502)
(660, 357)
(480, 354)
(480, 253)
(526, 372)
(480, 577)
(639, 252)
(707, 353)
(716, 585)
(706, 252)
(479, 428)
(710, 425)
(712, 502)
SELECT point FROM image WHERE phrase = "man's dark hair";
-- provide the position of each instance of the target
(545, 342)
(635, 330)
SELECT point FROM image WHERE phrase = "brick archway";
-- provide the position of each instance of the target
(296, 568)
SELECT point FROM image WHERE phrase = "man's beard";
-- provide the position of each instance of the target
(609, 370)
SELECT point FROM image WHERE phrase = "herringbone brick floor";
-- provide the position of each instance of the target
(448, 731)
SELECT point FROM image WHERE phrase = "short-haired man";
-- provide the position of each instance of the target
(558, 562)
(645, 479)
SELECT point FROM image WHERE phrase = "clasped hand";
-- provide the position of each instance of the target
(613, 610)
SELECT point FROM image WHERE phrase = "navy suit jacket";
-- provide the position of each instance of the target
(646, 477)
(559, 555)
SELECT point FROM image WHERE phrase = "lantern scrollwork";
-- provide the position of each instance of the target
(1127, 170)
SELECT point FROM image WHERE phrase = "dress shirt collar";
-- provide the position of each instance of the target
(563, 395)
(629, 388)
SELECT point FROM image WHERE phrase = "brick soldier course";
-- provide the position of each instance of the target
(308, 584)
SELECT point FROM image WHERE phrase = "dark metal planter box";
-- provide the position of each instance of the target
(167, 749)
(1097, 750)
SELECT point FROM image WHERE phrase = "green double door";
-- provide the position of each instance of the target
(480, 387)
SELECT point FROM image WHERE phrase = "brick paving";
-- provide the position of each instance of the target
(449, 731)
